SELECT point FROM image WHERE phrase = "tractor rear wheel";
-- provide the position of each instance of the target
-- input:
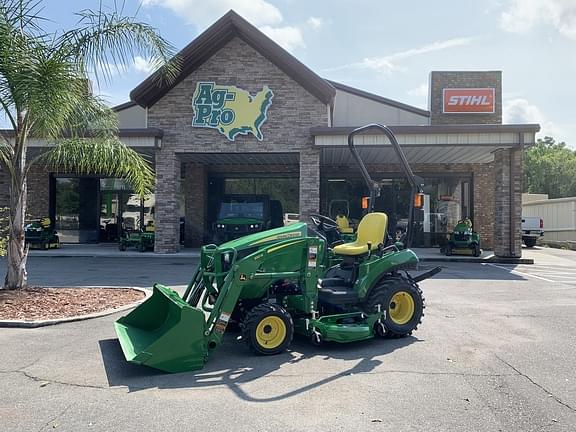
(403, 302)
(268, 329)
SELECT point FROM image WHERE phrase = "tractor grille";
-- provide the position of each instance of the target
(461, 237)
(232, 229)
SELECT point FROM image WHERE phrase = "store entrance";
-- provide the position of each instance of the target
(123, 211)
(92, 209)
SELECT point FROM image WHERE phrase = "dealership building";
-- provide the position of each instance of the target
(245, 117)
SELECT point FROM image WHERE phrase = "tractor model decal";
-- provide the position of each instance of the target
(230, 110)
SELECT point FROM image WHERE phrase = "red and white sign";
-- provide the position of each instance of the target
(468, 100)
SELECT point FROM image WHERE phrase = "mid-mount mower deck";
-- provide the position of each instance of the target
(284, 281)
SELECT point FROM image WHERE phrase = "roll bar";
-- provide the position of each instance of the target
(416, 182)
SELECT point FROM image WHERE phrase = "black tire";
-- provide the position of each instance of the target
(530, 242)
(280, 339)
(121, 246)
(448, 250)
(476, 250)
(383, 295)
(141, 247)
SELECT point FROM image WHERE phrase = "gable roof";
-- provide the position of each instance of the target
(213, 39)
(380, 99)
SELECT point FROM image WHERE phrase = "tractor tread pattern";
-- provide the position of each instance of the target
(380, 295)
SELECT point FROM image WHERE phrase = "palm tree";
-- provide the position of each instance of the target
(44, 93)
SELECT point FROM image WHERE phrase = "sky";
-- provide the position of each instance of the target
(390, 47)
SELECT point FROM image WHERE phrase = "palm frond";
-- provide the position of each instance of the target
(105, 41)
(106, 156)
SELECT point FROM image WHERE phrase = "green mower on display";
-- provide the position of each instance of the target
(463, 240)
(142, 239)
(284, 281)
(40, 234)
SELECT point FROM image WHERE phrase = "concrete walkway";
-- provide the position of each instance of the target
(109, 250)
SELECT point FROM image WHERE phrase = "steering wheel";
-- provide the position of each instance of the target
(324, 223)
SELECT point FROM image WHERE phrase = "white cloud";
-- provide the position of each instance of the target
(389, 63)
(287, 37)
(203, 13)
(421, 90)
(315, 22)
(261, 13)
(519, 110)
(143, 65)
(522, 15)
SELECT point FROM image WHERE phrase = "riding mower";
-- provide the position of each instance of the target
(280, 282)
(463, 240)
(40, 234)
(142, 239)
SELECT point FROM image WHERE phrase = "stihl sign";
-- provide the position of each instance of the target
(468, 100)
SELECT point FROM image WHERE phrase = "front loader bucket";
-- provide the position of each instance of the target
(164, 332)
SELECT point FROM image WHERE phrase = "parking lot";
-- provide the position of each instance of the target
(495, 352)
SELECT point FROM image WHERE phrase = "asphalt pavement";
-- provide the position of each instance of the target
(495, 352)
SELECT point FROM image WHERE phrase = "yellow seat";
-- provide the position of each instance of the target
(372, 229)
(344, 225)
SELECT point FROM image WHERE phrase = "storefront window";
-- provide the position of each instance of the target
(446, 201)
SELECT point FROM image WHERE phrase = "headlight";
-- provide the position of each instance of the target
(251, 226)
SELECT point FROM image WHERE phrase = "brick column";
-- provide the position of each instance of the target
(484, 204)
(38, 192)
(167, 202)
(195, 196)
(309, 183)
(508, 203)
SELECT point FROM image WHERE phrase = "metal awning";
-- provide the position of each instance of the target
(241, 158)
(424, 144)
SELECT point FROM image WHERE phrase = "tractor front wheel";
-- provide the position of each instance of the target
(403, 302)
(268, 329)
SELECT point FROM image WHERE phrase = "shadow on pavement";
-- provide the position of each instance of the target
(466, 271)
(233, 365)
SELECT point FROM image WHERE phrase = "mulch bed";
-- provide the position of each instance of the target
(32, 304)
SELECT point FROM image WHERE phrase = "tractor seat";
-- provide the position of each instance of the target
(372, 229)
(344, 225)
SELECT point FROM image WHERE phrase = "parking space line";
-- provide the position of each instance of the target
(514, 271)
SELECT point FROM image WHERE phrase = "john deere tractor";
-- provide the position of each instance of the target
(281, 282)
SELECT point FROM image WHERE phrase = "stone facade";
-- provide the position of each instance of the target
(167, 202)
(508, 203)
(196, 195)
(287, 130)
(462, 79)
(38, 192)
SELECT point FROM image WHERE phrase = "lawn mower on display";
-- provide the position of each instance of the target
(463, 240)
(142, 239)
(40, 234)
(284, 281)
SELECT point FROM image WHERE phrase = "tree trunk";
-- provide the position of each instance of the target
(17, 252)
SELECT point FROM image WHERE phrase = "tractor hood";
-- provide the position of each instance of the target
(239, 221)
(263, 238)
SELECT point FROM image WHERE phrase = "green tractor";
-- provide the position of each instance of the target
(463, 240)
(281, 282)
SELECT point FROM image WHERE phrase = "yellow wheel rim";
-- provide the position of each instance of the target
(401, 308)
(271, 332)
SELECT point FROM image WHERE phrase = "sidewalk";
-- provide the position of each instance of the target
(108, 250)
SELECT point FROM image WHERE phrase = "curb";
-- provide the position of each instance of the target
(490, 259)
(119, 255)
(49, 322)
